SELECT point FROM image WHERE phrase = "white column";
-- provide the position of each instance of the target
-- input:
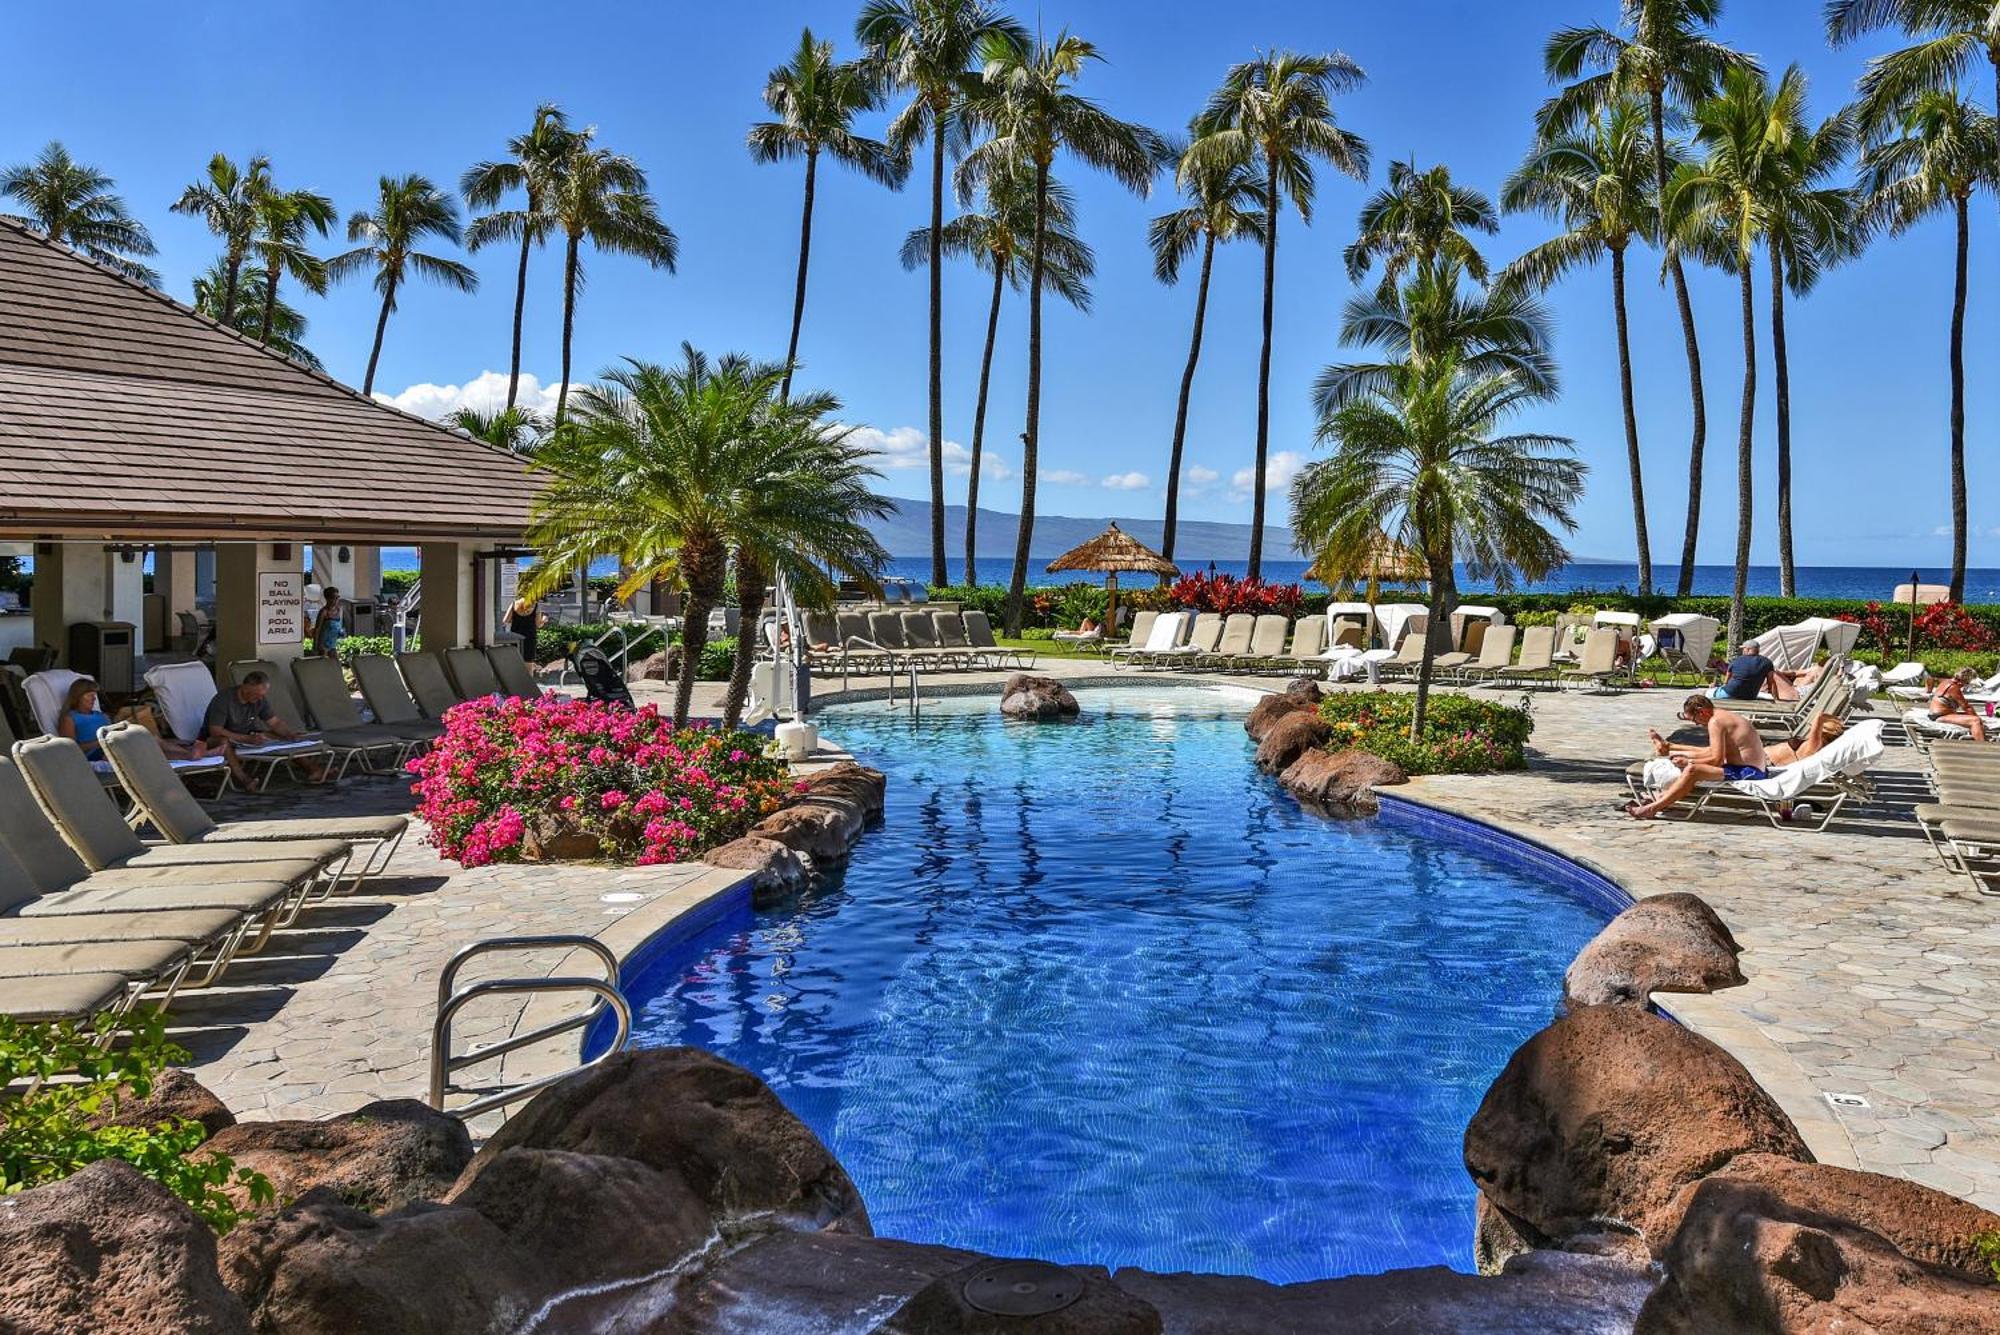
(453, 613)
(260, 609)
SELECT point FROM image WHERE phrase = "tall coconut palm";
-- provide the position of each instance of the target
(1946, 151)
(1029, 104)
(932, 50)
(601, 197)
(816, 99)
(511, 428)
(225, 197)
(1721, 207)
(532, 163)
(1225, 204)
(1952, 34)
(1276, 110)
(284, 217)
(71, 202)
(999, 241)
(1597, 181)
(1667, 58)
(1419, 217)
(677, 468)
(288, 325)
(408, 210)
(1421, 459)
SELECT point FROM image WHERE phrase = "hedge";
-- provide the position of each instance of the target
(1461, 735)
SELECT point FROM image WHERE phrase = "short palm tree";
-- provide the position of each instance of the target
(816, 99)
(601, 197)
(1952, 35)
(1946, 152)
(1720, 208)
(225, 197)
(71, 202)
(284, 217)
(1419, 217)
(1277, 111)
(1420, 459)
(1597, 181)
(1225, 203)
(531, 166)
(932, 50)
(288, 325)
(1666, 57)
(510, 428)
(1029, 104)
(999, 241)
(408, 211)
(676, 469)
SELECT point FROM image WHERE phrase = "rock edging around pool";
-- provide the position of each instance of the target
(809, 836)
(1291, 743)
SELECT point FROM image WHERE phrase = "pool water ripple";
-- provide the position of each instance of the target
(1101, 993)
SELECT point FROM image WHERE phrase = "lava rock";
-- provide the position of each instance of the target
(1608, 1113)
(1271, 708)
(1029, 697)
(776, 871)
(175, 1096)
(1290, 737)
(387, 1154)
(1665, 943)
(816, 830)
(687, 1112)
(1103, 1308)
(110, 1251)
(851, 780)
(1340, 780)
(655, 667)
(1304, 688)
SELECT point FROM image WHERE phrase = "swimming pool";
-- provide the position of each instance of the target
(1101, 993)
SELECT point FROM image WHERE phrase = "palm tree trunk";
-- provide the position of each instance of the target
(1958, 402)
(569, 325)
(270, 301)
(233, 275)
(1684, 584)
(799, 295)
(1745, 473)
(381, 327)
(1441, 582)
(1017, 583)
(979, 431)
(520, 305)
(750, 602)
(1264, 371)
(1187, 389)
(939, 575)
(694, 635)
(1631, 425)
(1781, 388)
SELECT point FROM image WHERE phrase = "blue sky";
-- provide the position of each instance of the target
(399, 87)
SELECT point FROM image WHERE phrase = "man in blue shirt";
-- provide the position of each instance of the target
(1748, 672)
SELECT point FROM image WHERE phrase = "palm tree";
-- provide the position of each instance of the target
(677, 468)
(1597, 180)
(600, 197)
(1225, 205)
(816, 99)
(1418, 459)
(1420, 216)
(1951, 33)
(283, 218)
(931, 48)
(1945, 152)
(226, 199)
(999, 241)
(288, 326)
(1720, 208)
(1277, 110)
(73, 203)
(1029, 103)
(510, 428)
(408, 210)
(531, 166)
(1668, 60)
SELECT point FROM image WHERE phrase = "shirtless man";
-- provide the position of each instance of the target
(1734, 751)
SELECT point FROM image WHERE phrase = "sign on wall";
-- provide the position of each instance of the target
(281, 606)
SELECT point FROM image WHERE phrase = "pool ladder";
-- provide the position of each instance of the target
(915, 693)
(604, 996)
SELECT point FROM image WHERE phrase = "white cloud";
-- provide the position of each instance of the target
(1279, 470)
(1066, 477)
(907, 447)
(485, 392)
(1198, 476)
(1128, 482)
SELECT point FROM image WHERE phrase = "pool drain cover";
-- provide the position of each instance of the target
(1023, 1288)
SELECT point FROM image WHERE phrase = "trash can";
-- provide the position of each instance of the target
(104, 652)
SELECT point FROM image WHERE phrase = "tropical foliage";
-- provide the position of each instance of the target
(68, 201)
(282, 328)
(1225, 593)
(409, 211)
(532, 166)
(1458, 735)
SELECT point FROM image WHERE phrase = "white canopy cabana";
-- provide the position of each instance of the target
(1627, 620)
(1395, 616)
(1696, 634)
(1792, 648)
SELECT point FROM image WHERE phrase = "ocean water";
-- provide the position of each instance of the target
(1101, 993)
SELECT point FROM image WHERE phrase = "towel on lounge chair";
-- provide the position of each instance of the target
(1853, 752)
(1920, 721)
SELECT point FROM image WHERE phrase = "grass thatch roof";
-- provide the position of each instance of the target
(1386, 559)
(1114, 551)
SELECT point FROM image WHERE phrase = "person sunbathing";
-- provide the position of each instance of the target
(1949, 705)
(1734, 752)
(83, 717)
(1820, 730)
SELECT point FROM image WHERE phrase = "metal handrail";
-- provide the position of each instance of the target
(605, 992)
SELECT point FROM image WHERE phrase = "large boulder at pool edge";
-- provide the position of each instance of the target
(1289, 737)
(1606, 1115)
(1340, 780)
(1029, 697)
(1664, 943)
(387, 1154)
(1272, 708)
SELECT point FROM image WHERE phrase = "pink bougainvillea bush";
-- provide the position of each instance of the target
(515, 779)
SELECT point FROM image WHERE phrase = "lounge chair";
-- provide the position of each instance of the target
(424, 675)
(885, 632)
(1598, 663)
(822, 632)
(343, 748)
(1827, 779)
(952, 639)
(472, 674)
(1496, 651)
(1828, 695)
(979, 630)
(512, 670)
(1308, 643)
(45, 691)
(1199, 650)
(75, 997)
(1537, 661)
(183, 692)
(1267, 642)
(323, 685)
(389, 700)
(858, 650)
(1142, 626)
(920, 633)
(1163, 640)
(182, 821)
(1408, 660)
(1467, 653)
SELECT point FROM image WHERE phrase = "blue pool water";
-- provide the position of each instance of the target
(1101, 993)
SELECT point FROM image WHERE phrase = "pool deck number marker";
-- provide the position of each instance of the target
(1023, 1288)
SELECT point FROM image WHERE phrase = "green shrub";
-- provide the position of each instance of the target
(1988, 1247)
(717, 657)
(1937, 662)
(396, 583)
(47, 1133)
(1461, 735)
(1039, 633)
(354, 645)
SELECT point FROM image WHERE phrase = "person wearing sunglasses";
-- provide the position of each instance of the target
(1734, 752)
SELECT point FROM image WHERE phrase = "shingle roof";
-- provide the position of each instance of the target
(124, 414)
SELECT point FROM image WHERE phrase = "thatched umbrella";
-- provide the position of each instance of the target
(1385, 559)
(1113, 552)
